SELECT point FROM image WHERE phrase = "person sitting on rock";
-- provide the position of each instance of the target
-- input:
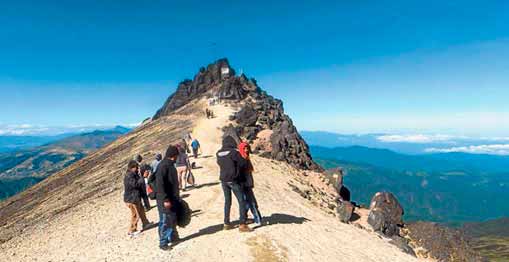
(167, 196)
(341, 189)
(248, 184)
(230, 163)
(133, 187)
(345, 208)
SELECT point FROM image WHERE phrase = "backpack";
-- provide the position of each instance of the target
(150, 187)
(195, 145)
(183, 213)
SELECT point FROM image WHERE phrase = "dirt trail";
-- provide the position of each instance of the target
(296, 230)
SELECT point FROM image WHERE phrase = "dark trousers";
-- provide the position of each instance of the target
(228, 187)
(195, 152)
(167, 225)
(144, 197)
(252, 204)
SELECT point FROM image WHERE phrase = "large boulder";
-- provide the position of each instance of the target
(386, 214)
(247, 116)
(344, 211)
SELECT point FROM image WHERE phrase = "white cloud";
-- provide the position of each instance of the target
(37, 130)
(498, 149)
(417, 138)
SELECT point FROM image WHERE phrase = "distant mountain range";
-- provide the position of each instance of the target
(12, 143)
(450, 188)
(22, 168)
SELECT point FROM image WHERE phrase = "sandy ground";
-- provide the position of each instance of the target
(296, 230)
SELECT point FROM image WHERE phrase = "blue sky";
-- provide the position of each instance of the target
(343, 66)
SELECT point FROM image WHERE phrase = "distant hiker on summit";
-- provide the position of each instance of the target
(230, 163)
(195, 145)
(248, 184)
(167, 195)
(133, 187)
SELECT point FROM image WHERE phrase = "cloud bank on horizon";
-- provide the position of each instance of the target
(41, 130)
(497, 149)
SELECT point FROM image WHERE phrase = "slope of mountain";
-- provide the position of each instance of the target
(447, 188)
(78, 213)
(23, 168)
(491, 238)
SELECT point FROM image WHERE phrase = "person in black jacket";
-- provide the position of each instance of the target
(133, 187)
(144, 195)
(230, 163)
(167, 194)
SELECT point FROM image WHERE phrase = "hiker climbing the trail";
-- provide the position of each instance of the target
(183, 167)
(156, 162)
(230, 163)
(183, 144)
(195, 145)
(133, 187)
(144, 195)
(248, 183)
(167, 195)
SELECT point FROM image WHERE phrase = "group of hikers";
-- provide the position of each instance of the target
(166, 176)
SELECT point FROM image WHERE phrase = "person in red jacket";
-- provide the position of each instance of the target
(248, 184)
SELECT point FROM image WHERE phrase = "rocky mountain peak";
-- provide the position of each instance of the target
(261, 119)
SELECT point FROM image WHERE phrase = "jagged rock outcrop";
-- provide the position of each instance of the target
(188, 90)
(259, 112)
(386, 215)
(263, 112)
(386, 218)
(441, 243)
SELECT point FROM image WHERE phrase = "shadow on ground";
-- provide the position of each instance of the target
(277, 218)
(274, 219)
(355, 217)
(207, 185)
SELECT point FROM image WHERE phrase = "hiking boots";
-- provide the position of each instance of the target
(165, 248)
(227, 227)
(243, 228)
(250, 221)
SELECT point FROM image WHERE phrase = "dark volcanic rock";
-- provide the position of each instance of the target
(442, 243)
(235, 88)
(344, 211)
(386, 215)
(259, 112)
(188, 90)
(247, 116)
(289, 146)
